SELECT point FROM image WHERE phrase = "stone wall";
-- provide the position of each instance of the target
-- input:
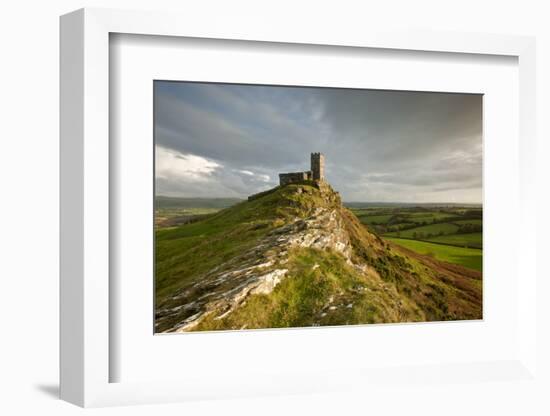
(286, 178)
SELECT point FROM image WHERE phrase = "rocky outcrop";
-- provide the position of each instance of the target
(257, 271)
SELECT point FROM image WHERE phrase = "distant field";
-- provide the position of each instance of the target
(169, 202)
(454, 228)
(175, 211)
(373, 219)
(399, 217)
(405, 205)
(430, 216)
(470, 240)
(423, 231)
(186, 211)
(469, 221)
(172, 217)
(467, 257)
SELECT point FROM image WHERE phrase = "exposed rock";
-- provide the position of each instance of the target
(259, 270)
(218, 292)
(269, 281)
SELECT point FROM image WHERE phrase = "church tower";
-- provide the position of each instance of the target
(318, 166)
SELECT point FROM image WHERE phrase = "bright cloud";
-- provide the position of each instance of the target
(171, 164)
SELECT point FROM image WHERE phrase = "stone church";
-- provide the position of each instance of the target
(317, 172)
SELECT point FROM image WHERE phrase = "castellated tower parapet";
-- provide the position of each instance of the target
(318, 166)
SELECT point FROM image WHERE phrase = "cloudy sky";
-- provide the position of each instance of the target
(222, 140)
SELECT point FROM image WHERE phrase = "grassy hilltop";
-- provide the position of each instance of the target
(296, 257)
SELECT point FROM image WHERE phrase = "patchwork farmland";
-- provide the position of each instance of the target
(448, 233)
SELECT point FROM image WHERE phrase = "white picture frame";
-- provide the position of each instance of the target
(86, 355)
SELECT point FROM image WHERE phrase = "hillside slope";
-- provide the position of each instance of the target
(296, 257)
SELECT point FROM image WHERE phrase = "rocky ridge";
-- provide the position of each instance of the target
(259, 270)
(375, 282)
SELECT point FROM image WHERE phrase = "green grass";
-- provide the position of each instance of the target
(420, 217)
(469, 221)
(169, 217)
(168, 202)
(184, 253)
(423, 231)
(185, 211)
(473, 240)
(321, 287)
(467, 257)
(367, 216)
(373, 219)
(323, 290)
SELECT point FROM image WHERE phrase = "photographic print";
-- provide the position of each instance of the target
(292, 207)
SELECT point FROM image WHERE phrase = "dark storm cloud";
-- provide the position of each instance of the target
(379, 145)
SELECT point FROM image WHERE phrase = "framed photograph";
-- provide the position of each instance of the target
(384, 226)
(266, 212)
